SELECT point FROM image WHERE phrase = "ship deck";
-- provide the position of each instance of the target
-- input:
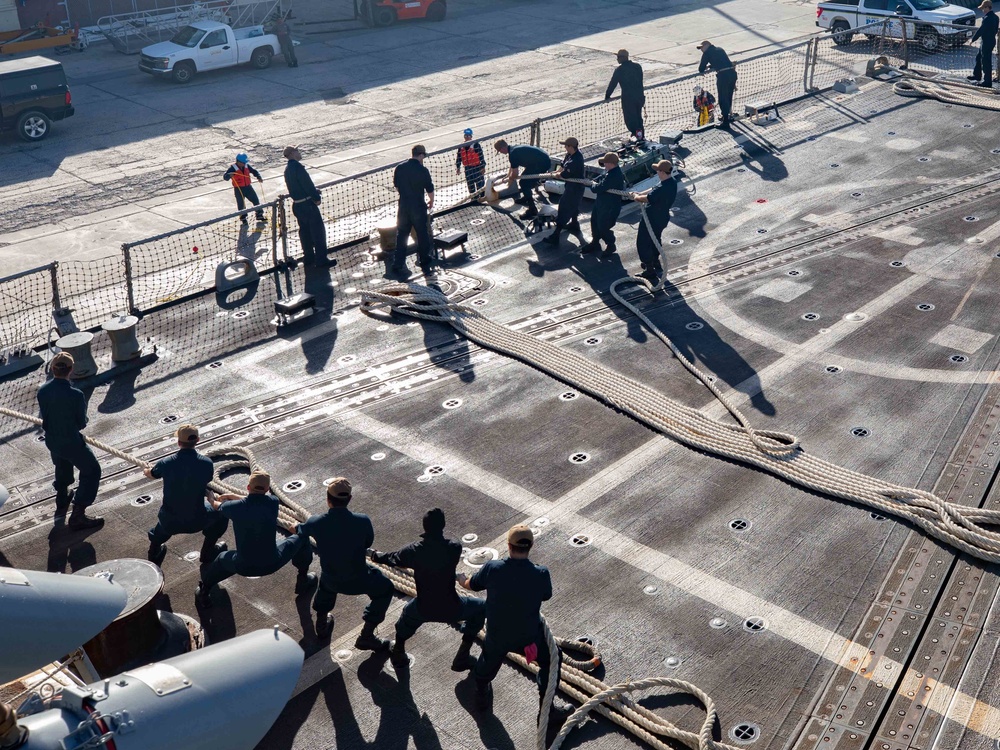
(874, 635)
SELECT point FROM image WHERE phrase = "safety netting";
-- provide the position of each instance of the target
(181, 269)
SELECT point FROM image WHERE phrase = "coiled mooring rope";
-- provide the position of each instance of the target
(594, 695)
(947, 91)
(778, 453)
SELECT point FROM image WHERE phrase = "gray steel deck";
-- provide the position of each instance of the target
(873, 632)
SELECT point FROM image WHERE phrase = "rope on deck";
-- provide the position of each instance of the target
(289, 511)
(779, 453)
(949, 92)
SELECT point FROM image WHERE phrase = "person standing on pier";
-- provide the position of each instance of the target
(470, 155)
(285, 40)
(63, 409)
(239, 174)
(704, 105)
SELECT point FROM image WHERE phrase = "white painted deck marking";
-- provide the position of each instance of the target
(963, 339)
(782, 290)
(905, 235)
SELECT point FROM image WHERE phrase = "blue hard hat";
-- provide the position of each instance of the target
(467, 131)
(242, 158)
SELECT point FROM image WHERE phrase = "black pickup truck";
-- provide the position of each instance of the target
(33, 93)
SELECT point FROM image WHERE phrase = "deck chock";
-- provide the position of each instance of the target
(448, 240)
(145, 357)
(756, 110)
(15, 362)
(294, 308)
(246, 274)
(846, 86)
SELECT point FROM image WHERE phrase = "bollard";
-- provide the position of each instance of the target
(136, 631)
(124, 344)
(78, 344)
(387, 235)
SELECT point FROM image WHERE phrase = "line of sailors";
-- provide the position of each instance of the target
(515, 587)
(657, 201)
(415, 187)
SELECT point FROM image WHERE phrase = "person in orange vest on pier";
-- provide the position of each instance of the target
(470, 155)
(241, 174)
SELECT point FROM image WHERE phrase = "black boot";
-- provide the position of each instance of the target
(553, 239)
(559, 711)
(591, 247)
(324, 625)
(305, 583)
(528, 213)
(211, 550)
(484, 694)
(463, 660)
(63, 499)
(79, 520)
(157, 553)
(369, 640)
(398, 653)
(202, 598)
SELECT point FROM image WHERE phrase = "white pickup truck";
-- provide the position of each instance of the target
(208, 45)
(931, 23)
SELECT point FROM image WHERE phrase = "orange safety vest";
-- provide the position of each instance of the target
(241, 177)
(469, 156)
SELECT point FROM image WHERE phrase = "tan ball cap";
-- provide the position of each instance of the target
(339, 488)
(188, 433)
(520, 536)
(260, 481)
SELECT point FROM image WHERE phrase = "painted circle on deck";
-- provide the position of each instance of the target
(720, 311)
